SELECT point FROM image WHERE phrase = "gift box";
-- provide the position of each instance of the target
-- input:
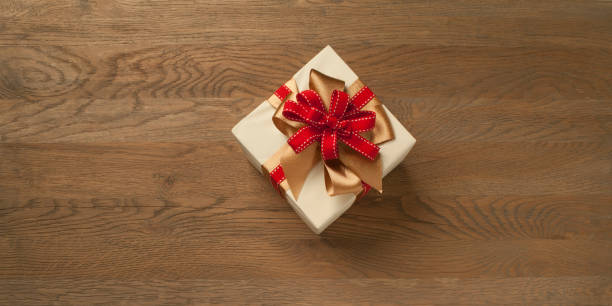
(323, 139)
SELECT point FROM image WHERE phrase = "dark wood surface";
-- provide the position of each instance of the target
(120, 181)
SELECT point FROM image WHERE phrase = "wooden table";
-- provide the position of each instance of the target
(121, 182)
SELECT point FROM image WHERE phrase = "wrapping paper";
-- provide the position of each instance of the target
(260, 139)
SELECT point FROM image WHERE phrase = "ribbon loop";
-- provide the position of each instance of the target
(303, 113)
(304, 137)
(361, 145)
(339, 103)
(361, 121)
(312, 99)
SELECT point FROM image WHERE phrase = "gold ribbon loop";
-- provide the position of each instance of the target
(324, 85)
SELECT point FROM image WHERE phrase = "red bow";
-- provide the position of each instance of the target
(344, 121)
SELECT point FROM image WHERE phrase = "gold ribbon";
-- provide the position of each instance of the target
(343, 175)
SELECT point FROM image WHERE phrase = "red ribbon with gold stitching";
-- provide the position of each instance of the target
(343, 121)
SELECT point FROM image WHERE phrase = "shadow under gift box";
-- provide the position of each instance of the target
(260, 139)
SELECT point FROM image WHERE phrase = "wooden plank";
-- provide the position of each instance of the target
(530, 290)
(129, 249)
(507, 23)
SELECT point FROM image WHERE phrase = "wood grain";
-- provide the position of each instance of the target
(562, 290)
(120, 181)
(507, 23)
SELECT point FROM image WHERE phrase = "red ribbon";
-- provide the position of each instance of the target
(344, 121)
(277, 176)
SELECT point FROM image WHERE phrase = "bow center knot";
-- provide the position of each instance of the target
(332, 122)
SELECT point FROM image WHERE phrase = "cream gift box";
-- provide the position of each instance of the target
(260, 139)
